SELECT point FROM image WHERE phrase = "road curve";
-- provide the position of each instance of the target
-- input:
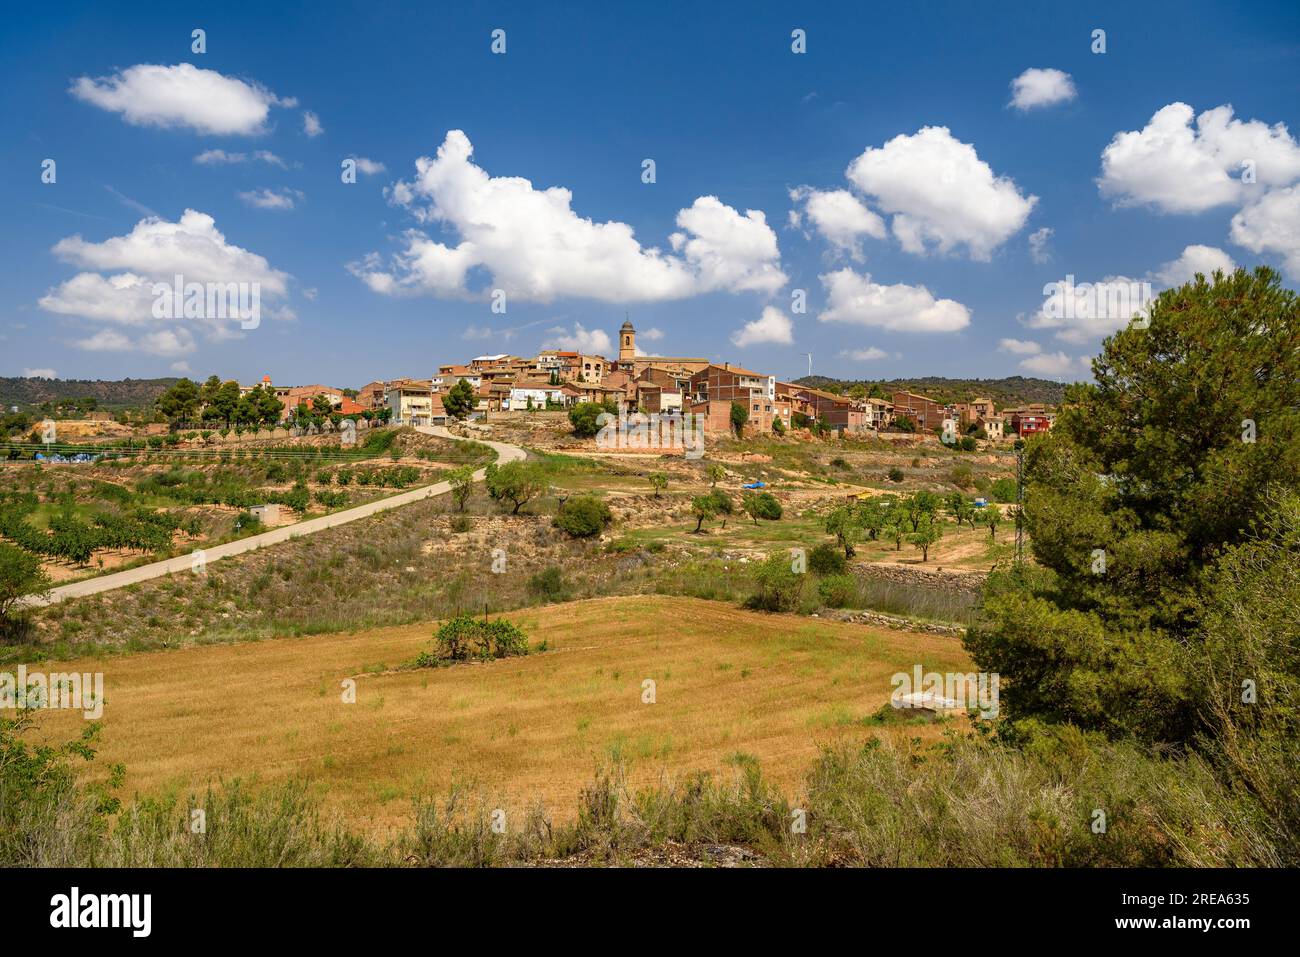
(185, 563)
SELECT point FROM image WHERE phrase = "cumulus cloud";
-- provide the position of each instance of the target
(863, 355)
(1194, 259)
(773, 326)
(1085, 311)
(854, 298)
(580, 339)
(532, 244)
(181, 96)
(941, 194)
(1019, 347)
(368, 166)
(1272, 225)
(271, 198)
(1041, 87)
(839, 216)
(653, 334)
(1182, 163)
(40, 373)
(311, 124)
(1038, 245)
(117, 286)
(1053, 365)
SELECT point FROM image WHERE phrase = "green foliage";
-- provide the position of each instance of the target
(459, 400)
(20, 575)
(515, 483)
(584, 418)
(777, 586)
(659, 482)
(548, 585)
(826, 560)
(739, 416)
(763, 505)
(704, 508)
(1132, 498)
(1003, 490)
(837, 591)
(896, 474)
(928, 531)
(583, 516)
(462, 485)
(845, 524)
(465, 638)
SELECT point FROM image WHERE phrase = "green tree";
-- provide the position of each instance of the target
(844, 523)
(180, 403)
(739, 416)
(583, 516)
(659, 482)
(777, 586)
(716, 472)
(1170, 457)
(992, 517)
(516, 483)
(762, 505)
(704, 508)
(584, 418)
(928, 531)
(459, 400)
(462, 485)
(20, 575)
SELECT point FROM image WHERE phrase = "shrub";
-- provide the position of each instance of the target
(549, 585)
(837, 591)
(465, 638)
(763, 505)
(583, 516)
(962, 476)
(826, 560)
(895, 474)
(583, 418)
(1003, 490)
(777, 586)
(461, 523)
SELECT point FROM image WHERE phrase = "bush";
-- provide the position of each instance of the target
(777, 586)
(583, 516)
(763, 505)
(826, 560)
(1003, 490)
(895, 474)
(838, 591)
(461, 523)
(962, 476)
(583, 418)
(465, 638)
(549, 585)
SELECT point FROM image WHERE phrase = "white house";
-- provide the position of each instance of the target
(537, 392)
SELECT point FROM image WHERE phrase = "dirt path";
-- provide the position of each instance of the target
(182, 563)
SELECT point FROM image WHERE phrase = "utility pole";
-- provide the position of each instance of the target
(809, 355)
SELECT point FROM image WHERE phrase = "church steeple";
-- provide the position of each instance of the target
(626, 342)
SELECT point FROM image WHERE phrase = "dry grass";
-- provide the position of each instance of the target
(729, 683)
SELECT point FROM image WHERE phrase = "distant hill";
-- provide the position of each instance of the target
(108, 393)
(1009, 391)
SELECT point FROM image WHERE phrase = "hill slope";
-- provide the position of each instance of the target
(1008, 391)
(109, 393)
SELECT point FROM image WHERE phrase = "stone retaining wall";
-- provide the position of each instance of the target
(947, 580)
(890, 621)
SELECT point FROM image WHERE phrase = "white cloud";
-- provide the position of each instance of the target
(941, 194)
(1272, 225)
(182, 367)
(368, 166)
(181, 96)
(40, 373)
(311, 124)
(1194, 259)
(271, 198)
(652, 334)
(856, 299)
(773, 326)
(864, 355)
(156, 251)
(1041, 87)
(1082, 312)
(1180, 169)
(1038, 245)
(1053, 365)
(536, 248)
(1019, 347)
(840, 217)
(222, 158)
(581, 339)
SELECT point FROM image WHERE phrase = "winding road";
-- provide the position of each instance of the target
(185, 563)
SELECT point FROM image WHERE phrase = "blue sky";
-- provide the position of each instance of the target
(916, 182)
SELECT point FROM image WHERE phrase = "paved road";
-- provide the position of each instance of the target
(185, 563)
